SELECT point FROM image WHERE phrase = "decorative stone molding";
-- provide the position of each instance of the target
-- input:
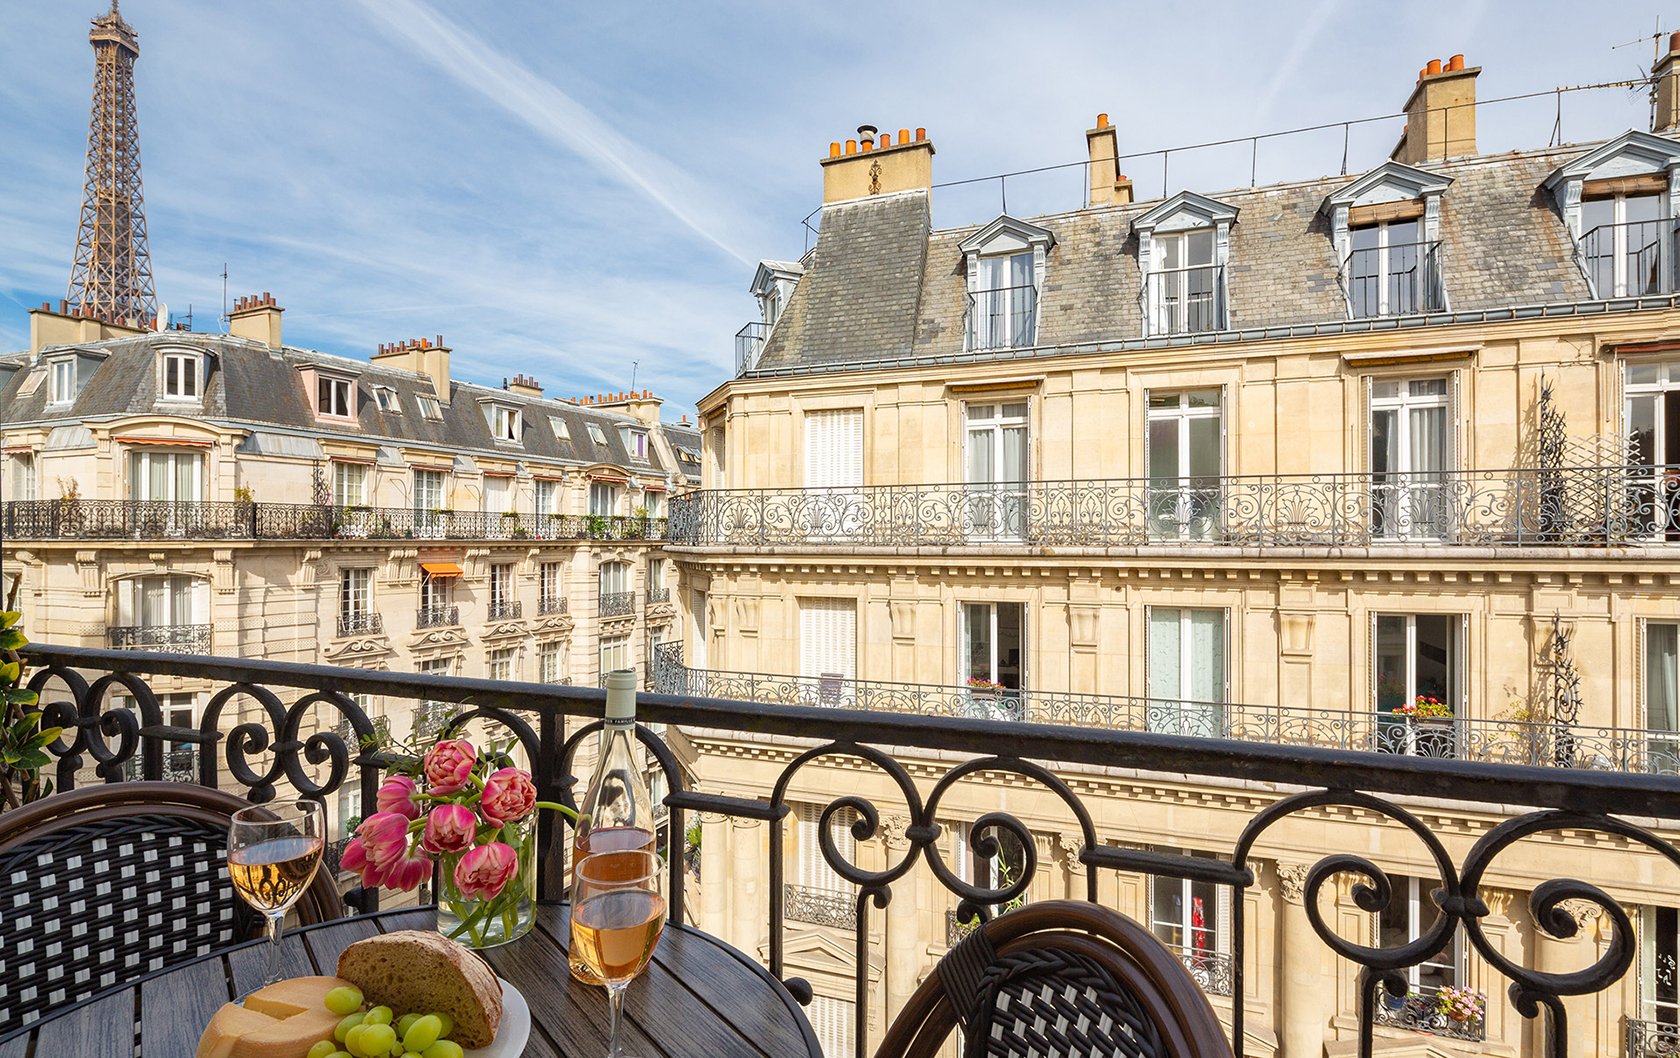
(1082, 626)
(432, 638)
(309, 568)
(358, 651)
(505, 630)
(746, 615)
(551, 625)
(893, 831)
(903, 613)
(221, 571)
(1584, 912)
(1292, 881)
(400, 566)
(87, 565)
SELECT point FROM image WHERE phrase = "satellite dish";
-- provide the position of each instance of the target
(162, 323)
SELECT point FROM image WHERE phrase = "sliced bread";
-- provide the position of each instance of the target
(415, 971)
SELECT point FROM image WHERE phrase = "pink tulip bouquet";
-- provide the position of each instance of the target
(456, 810)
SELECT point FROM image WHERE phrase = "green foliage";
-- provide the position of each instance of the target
(23, 741)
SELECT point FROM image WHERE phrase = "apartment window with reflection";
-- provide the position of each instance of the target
(1184, 289)
(355, 598)
(63, 377)
(505, 424)
(180, 376)
(1418, 680)
(549, 663)
(615, 654)
(653, 501)
(1184, 451)
(1187, 670)
(436, 594)
(429, 406)
(1661, 682)
(812, 869)
(603, 499)
(1003, 311)
(1389, 271)
(159, 474)
(387, 399)
(549, 578)
(994, 867)
(23, 477)
(1623, 242)
(501, 590)
(993, 663)
(1410, 455)
(615, 578)
(1659, 965)
(499, 664)
(1193, 919)
(1651, 424)
(1410, 914)
(349, 484)
(428, 502)
(332, 397)
(637, 442)
(995, 469)
(596, 434)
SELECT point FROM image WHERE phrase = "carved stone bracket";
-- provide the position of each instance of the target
(1292, 881)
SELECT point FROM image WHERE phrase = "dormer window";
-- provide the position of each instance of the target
(504, 424)
(596, 435)
(1183, 247)
(387, 399)
(1386, 228)
(1617, 202)
(334, 397)
(429, 406)
(561, 431)
(636, 442)
(63, 378)
(180, 376)
(1005, 266)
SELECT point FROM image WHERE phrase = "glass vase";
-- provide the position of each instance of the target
(487, 922)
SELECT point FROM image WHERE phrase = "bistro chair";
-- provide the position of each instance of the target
(1059, 979)
(102, 885)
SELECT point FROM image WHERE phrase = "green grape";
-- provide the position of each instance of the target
(324, 1049)
(424, 1032)
(409, 1054)
(405, 1023)
(448, 1029)
(344, 1000)
(443, 1049)
(343, 1031)
(378, 1039)
(353, 1041)
(378, 1016)
(341, 1054)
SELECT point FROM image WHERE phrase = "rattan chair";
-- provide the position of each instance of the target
(107, 883)
(1060, 979)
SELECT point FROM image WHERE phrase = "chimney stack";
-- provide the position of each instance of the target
(1667, 74)
(1440, 114)
(1108, 186)
(870, 166)
(257, 317)
(525, 386)
(423, 357)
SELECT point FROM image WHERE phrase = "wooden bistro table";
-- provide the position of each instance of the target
(699, 997)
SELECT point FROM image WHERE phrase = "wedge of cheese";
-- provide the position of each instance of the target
(281, 1020)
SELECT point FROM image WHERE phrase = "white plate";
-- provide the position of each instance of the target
(515, 1029)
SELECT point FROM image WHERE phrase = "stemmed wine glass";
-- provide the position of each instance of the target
(618, 912)
(273, 853)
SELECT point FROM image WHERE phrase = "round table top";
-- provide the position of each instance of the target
(699, 997)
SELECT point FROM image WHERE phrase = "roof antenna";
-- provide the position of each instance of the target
(633, 365)
(225, 316)
(1655, 37)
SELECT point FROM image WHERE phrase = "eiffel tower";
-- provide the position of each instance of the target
(112, 274)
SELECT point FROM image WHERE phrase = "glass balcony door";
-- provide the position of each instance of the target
(171, 479)
(1184, 290)
(992, 660)
(1416, 661)
(1662, 697)
(1004, 311)
(1185, 456)
(1623, 244)
(828, 636)
(996, 471)
(1387, 272)
(429, 517)
(1410, 451)
(1652, 427)
(1187, 671)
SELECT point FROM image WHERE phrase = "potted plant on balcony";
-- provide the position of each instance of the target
(1461, 1006)
(1432, 725)
(70, 516)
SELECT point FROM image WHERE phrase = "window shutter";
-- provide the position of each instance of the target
(1365, 463)
(1454, 427)
(1226, 675)
(1642, 652)
(1461, 670)
(1370, 664)
(834, 448)
(828, 638)
(1222, 924)
(1647, 938)
(1224, 416)
(125, 603)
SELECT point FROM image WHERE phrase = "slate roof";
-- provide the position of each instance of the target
(251, 385)
(1504, 244)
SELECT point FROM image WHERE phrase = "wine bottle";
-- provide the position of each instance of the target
(616, 813)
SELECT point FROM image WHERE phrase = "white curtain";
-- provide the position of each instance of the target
(1662, 677)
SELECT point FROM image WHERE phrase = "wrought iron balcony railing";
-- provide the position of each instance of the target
(437, 616)
(506, 610)
(1421, 1010)
(551, 604)
(179, 639)
(617, 603)
(1593, 507)
(819, 907)
(1366, 730)
(1398, 280)
(655, 596)
(1003, 318)
(219, 520)
(1648, 1038)
(917, 761)
(1186, 300)
(749, 342)
(360, 622)
(1629, 260)
(1211, 969)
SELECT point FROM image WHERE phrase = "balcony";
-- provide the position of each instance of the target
(1186, 300)
(1652, 1039)
(360, 623)
(1342, 797)
(1002, 318)
(819, 907)
(617, 603)
(437, 616)
(749, 342)
(549, 605)
(178, 639)
(217, 520)
(505, 609)
(1629, 260)
(1490, 741)
(1593, 507)
(658, 596)
(1420, 1009)
(1399, 280)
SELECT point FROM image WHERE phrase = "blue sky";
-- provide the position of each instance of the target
(562, 189)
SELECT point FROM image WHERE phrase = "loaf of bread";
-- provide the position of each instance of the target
(420, 972)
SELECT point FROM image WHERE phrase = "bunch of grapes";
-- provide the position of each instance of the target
(381, 1033)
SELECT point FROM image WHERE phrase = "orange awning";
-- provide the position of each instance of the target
(441, 569)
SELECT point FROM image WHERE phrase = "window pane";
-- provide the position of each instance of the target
(1204, 447)
(1365, 238)
(1163, 449)
(1662, 662)
(1199, 246)
(1390, 662)
(977, 631)
(1168, 910)
(1436, 669)
(1164, 654)
(1009, 645)
(1207, 655)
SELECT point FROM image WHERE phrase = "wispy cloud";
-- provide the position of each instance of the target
(549, 111)
(1311, 28)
